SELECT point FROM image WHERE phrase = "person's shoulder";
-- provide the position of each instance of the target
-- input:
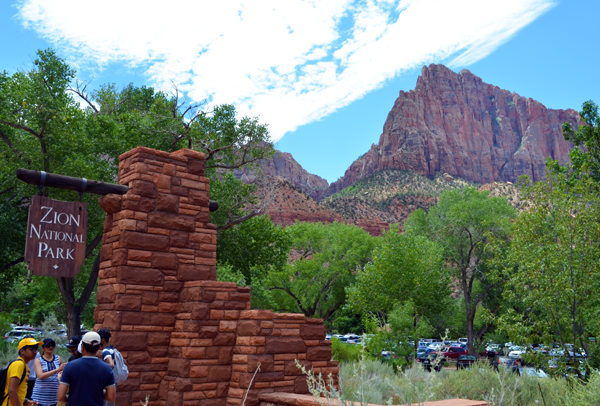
(16, 367)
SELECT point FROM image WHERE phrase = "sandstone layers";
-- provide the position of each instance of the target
(455, 123)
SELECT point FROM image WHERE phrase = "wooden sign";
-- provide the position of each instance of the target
(56, 235)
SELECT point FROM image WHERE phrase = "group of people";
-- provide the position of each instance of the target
(43, 379)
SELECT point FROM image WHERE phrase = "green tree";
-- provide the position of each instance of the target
(462, 223)
(553, 273)
(43, 127)
(328, 258)
(256, 242)
(405, 268)
(585, 157)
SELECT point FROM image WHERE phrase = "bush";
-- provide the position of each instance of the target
(371, 381)
(343, 352)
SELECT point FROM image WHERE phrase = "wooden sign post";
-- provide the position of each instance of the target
(56, 235)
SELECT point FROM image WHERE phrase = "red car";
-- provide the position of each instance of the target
(452, 352)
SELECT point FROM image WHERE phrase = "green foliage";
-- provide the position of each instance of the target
(256, 242)
(343, 352)
(384, 191)
(405, 267)
(463, 223)
(330, 256)
(553, 267)
(585, 157)
(43, 127)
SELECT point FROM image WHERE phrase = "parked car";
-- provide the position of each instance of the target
(16, 335)
(328, 337)
(516, 351)
(448, 353)
(507, 362)
(465, 361)
(463, 340)
(430, 361)
(493, 349)
(536, 373)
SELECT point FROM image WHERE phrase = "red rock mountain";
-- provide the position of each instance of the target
(284, 165)
(455, 123)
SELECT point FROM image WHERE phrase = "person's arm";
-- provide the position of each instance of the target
(109, 360)
(39, 372)
(61, 395)
(109, 396)
(13, 394)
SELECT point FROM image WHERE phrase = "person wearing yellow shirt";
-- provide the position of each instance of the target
(16, 382)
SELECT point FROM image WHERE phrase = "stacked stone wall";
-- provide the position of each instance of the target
(187, 338)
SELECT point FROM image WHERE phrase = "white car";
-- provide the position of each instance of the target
(435, 346)
(516, 351)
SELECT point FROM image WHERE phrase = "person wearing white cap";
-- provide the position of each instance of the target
(88, 380)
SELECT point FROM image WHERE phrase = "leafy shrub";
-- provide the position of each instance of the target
(343, 352)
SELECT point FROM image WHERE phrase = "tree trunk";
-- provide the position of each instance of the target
(75, 308)
(470, 331)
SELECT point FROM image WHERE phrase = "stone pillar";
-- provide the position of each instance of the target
(156, 237)
(188, 339)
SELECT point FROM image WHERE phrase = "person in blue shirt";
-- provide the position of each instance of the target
(88, 380)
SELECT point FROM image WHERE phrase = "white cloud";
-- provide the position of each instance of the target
(291, 62)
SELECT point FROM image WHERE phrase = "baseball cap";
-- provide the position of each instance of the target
(48, 341)
(73, 342)
(91, 338)
(28, 341)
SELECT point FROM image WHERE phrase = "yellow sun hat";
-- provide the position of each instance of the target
(28, 341)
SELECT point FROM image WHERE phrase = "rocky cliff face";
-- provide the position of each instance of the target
(455, 123)
(284, 165)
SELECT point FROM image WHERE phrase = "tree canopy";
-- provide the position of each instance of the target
(462, 224)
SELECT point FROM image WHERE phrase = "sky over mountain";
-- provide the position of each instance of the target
(291, 62)
(322, 73)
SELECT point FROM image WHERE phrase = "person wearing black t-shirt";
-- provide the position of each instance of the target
(72, 348)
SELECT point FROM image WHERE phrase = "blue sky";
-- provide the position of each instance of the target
(323, 74)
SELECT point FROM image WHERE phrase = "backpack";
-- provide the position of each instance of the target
(120, 370)
(4, 376)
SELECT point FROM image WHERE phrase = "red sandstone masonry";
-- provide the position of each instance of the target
(187, 338)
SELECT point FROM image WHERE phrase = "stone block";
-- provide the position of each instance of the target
(266, 363)
(257, 314)
(130, 340)
(144, 188)
(179, 367)
(164, 260)
(199, 371)
(135, 318)
(147, 205)
(171, 221)
(138, 357)
(312, 331)
(290, 367)
(199, 198)
(178, 238)
(196, 167)
(105, 294)
(248, 327)
(119, 257)
(193, 352)
(149, 298)
(139, 276)
(200, 311)
(219, 373)
(320, 353)
(300, 385)
(163, 319)
(183, 385)
(167, 202)
(189, 272)
(280, 345)
(128, 302)
(225, 355)
(143, 241)
(224, 339)
(110, 203)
